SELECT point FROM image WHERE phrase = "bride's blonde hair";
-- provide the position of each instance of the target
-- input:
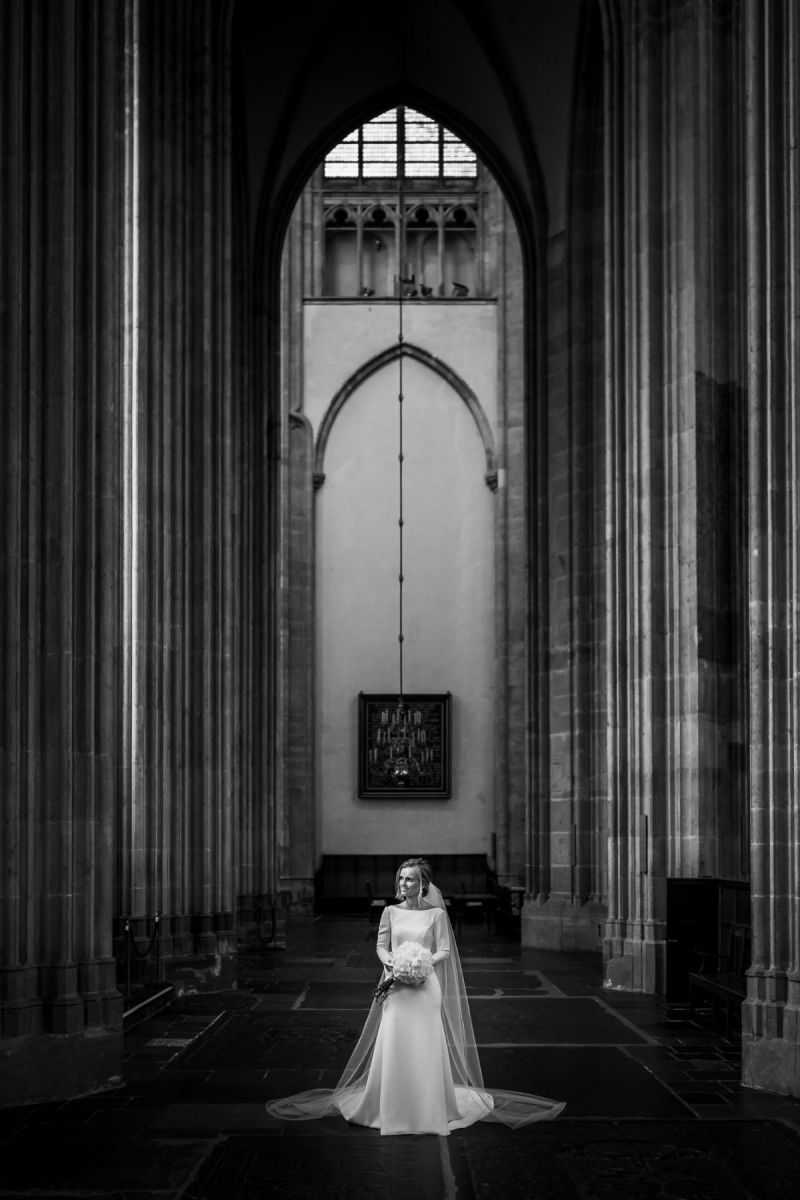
(425, 875)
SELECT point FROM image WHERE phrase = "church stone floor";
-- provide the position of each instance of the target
(655, 1109)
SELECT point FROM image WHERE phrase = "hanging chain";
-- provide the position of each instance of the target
(400, 401)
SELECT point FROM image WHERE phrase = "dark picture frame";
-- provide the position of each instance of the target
(430, 780)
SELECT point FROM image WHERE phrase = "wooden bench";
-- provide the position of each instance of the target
(720, 976)
(365, 882)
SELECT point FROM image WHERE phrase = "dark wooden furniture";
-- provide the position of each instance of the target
(477, 905)
(698, 913)
(692, 920)
(708, 946)
(720, 979)
(376, 903)
(354, 882)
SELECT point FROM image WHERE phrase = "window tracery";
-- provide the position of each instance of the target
(401, 143)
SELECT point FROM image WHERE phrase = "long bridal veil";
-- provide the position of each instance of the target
(510, 1108)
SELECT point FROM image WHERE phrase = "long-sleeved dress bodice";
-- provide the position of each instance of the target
(427, 926)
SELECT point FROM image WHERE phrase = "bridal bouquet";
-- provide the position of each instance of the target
(411, 963)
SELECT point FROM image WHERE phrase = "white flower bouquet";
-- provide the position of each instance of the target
(411, 964)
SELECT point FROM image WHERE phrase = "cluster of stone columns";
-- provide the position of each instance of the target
(771, 1028)
(645, 489)
(134, 618)
(672, 498)
(194, 831)
(568, 852)
(60, 506)
(673, 480)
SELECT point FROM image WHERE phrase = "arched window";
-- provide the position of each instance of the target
(401, 199)
(401, 143)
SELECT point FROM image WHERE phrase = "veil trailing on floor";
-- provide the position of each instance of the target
(509, 1107)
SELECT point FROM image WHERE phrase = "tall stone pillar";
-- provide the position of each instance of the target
(296, 801)
(645, 489)
(569, 908)
(673, 486)
(60, 506)
(771, 1029)
(503, 274)
(188, 530)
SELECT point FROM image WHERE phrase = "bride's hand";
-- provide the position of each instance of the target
(407, 981)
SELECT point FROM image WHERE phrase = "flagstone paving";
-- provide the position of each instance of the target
(655, 1104)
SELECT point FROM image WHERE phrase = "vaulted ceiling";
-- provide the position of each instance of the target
(498, 72)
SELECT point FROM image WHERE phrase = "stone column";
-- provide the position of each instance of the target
(296, 850)
(771, 1030)
(60, 505)
(676, 785)
(188, 527)
(298, 836)
(570, 903)
(503, 277)
(645, 488)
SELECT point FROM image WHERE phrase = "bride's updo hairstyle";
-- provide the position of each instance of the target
(425, 875)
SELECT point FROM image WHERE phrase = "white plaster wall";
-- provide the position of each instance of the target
(449, 570)
(342, 336)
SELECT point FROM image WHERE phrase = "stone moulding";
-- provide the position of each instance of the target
(434, 364)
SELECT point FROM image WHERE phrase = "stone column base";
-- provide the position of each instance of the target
(50, 1066)
(297, 894)
(771, 1033)
(772, 1065)
(211, 966)
(202, 973)
(636, 962)
(262, 918)
(560, 923)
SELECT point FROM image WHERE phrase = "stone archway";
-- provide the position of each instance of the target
(459, 386)
(526, 195)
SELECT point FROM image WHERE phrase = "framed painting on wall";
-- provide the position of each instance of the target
(404, 748)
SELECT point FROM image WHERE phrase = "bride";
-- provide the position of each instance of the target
(415, 1068)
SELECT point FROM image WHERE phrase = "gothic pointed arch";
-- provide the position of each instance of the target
(385, 358)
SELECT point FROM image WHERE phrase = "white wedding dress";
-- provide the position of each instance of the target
(415, 1068)
(409, 1086)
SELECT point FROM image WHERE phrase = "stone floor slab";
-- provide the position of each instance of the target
(366, 1166)
(295, 1039)
(67, 1159)
(213, 1117)
(550, 1021)
(593, 1081)
(606, 1160)
(326, 994)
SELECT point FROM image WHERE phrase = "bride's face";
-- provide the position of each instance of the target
(409, 883)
